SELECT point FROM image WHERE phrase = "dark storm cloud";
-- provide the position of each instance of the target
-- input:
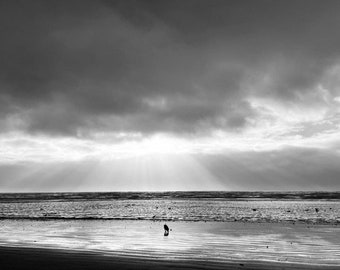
(149, 66)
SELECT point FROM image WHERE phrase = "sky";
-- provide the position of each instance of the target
(159, 95)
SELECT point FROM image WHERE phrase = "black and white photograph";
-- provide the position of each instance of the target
(169, 134)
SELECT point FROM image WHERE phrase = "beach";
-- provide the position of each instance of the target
(140, 244)
(35, 258)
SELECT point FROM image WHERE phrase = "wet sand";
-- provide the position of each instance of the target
(78, 244)
(37, 258)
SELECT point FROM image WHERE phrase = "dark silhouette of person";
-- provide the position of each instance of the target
(166, 230)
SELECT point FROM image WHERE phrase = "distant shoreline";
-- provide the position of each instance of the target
(279, 222)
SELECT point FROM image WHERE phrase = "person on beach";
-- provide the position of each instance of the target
(166, 230)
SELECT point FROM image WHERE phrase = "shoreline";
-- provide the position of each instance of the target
(45, 258)
(155, 220)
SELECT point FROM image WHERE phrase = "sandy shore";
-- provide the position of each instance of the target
(79, 244)
(37, 258)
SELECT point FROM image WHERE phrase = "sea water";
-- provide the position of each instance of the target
(304, 207)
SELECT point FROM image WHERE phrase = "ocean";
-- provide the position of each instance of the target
(303, 207)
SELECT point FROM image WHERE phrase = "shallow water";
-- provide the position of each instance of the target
(209, 241)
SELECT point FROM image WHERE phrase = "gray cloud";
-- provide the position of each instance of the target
(289, 169)
(153, 66)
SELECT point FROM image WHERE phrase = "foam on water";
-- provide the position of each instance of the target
(306, 211)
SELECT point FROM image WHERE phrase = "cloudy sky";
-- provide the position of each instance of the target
(169, 95)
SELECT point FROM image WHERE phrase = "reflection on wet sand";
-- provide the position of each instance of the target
(212, 241)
